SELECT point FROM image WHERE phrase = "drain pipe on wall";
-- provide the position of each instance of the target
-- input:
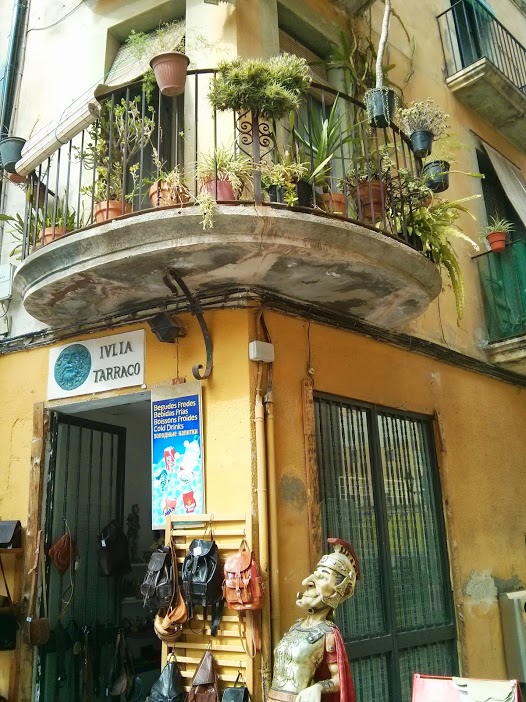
(261, 472)
(20, 13)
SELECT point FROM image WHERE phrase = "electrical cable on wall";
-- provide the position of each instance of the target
(40, 29)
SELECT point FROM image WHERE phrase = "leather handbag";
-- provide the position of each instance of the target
(112, 551)
(169, 687)
(237, 693)
(63, 553)
(205, 682)
(10, 534)
(242, 586)
(8, 618)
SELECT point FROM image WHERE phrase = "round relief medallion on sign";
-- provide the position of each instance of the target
(72, 366)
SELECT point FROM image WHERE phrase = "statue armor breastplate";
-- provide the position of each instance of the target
(297, 657)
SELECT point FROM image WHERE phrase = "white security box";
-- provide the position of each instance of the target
(7, 271)
(513, 617)
(261, 351)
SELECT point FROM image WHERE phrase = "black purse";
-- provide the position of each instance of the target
(112, 551)
(238, 693)
(8, 618)
(10, 534)
(169, 687)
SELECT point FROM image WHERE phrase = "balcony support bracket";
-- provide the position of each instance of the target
(174, 281)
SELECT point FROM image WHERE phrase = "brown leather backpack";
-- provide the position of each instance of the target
(205, 682)
(243, 586)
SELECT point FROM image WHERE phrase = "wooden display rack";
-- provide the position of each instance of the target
(228, 648)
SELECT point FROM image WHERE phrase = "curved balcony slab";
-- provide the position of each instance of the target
(324, 261)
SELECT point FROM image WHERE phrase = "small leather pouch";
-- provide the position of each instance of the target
(10, 534)
(63, 553)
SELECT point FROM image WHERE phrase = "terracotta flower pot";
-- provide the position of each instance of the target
(333, 203)
(170, 72)
(497, 241)
(371, 197)
(109, 209)
(15, 178)
(49, 234)
(160, 195)
(223, 188)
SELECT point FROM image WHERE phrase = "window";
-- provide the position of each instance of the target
(379, 489)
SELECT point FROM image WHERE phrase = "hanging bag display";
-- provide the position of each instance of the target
(8, 617)
(169, 687)
(112, 551)
(202, 579)
(168, 626)
(10, 534)
(121, 678)
(238, 693)
(204, 686)
(242, 587)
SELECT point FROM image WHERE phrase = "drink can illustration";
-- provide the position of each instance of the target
(169, 458)
(189, 501)
(169, 506)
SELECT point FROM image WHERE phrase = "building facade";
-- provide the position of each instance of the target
(376, 415)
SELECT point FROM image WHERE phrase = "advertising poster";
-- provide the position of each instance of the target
(177, 452)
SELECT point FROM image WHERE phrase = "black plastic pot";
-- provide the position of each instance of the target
(422, 143)
(303, 191)
(10, 152)
(436, 174)
(380, 105)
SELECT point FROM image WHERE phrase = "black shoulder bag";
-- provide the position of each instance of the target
(8, 618)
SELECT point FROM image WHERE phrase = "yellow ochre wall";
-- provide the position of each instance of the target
(227, 415)
(481, 464)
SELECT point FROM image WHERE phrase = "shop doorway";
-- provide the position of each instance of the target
(98, 469)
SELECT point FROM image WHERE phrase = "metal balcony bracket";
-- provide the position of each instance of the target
(174, 281)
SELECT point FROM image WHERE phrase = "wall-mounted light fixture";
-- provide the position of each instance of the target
(166, 328)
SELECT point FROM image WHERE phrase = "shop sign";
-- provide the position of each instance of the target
(96, 365)
(177, 452)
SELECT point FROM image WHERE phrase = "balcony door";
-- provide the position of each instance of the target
(379, 489)
(473, 30)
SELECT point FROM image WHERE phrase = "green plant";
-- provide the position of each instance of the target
(498, 224)
(64, 217)
(208, 207)
(424, 116)
(173, 180)
(434, 225)
(267, 88)
(225, 165)
(325, 136)
(285, 173)
(114, 142)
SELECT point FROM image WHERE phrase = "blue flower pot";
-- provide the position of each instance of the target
(10, 152)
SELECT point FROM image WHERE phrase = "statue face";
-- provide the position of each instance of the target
(319, 585)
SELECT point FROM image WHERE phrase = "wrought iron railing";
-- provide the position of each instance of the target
(110, 168)
(503, 280)
(470, 32)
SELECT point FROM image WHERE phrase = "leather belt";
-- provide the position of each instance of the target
(281, 696)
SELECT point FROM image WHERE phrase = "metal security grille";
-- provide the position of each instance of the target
(84, 492)
(379, 489)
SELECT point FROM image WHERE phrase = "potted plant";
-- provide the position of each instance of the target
(58, 221)
(169, 188)
(366, 177)
(11, 152)
(224, 174)
(165, 52)
(434, 225)
(285, 181)
(436, 171)
(423, 121)
(113, 162)
(497, 232)
(380, 101)
(266, 88)
(325, 137)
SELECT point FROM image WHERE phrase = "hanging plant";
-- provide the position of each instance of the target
(424, 122)
(380, 101)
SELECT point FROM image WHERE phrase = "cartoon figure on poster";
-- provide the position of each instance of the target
(177, 468)
(310, 661)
